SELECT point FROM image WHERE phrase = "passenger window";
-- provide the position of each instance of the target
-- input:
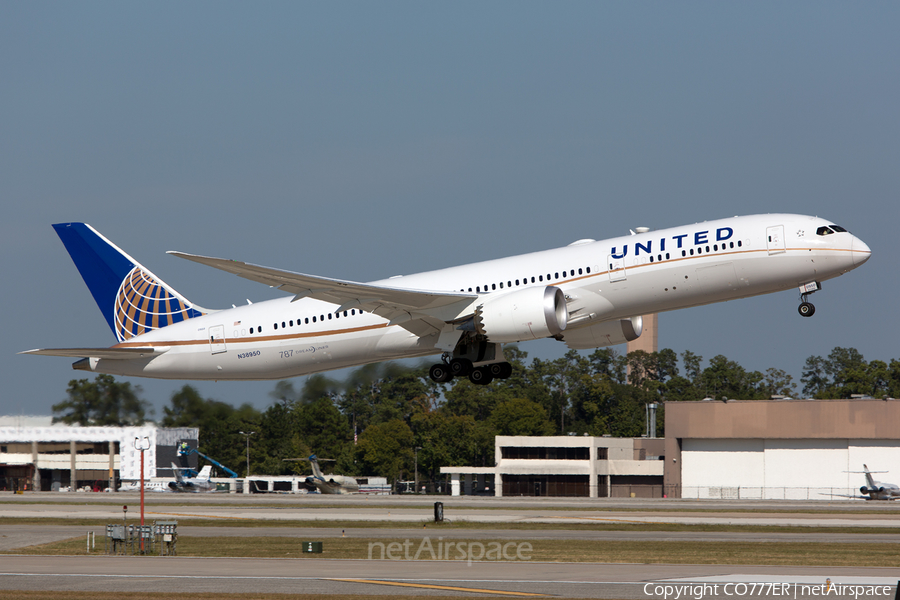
(588, 269)
(541, 277)
(283, 326)
(314, 319)
(329, 316)
(493, 286)
(740, 243)
(275, 325)
(251, 330)
(501, 285)
(579, 271)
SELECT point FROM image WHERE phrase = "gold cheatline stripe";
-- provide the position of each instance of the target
(440, 587)
(255, 338)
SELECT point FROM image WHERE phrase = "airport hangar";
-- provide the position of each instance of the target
(767, 449)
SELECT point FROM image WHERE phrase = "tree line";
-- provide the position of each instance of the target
(383, 419)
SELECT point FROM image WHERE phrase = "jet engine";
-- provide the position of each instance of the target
(865, 490)
(608, 333)
(528, 314)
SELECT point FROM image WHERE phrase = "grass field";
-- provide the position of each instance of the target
(639, 552)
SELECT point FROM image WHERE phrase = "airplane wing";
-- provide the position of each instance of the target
(397, 304)
(105, 353)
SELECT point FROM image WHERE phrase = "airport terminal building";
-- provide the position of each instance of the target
(36, 454)
(593, 467)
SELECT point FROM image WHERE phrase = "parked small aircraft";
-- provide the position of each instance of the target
(328, 484)
(200, 483)
(876, 490)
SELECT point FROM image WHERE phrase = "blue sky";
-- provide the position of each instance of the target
(363, 140)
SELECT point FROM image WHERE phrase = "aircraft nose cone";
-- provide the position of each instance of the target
(860, 251)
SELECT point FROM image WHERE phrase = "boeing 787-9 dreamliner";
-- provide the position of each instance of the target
(588, 294)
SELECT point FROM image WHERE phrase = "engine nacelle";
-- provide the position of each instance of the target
(608, 333)
(529, 314)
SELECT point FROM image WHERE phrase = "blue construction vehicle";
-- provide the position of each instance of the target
(184, 450)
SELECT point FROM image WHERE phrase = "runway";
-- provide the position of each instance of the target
(396, 578)
(481, 578)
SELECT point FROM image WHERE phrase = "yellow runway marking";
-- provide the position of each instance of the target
(442, 587)
(200, 516)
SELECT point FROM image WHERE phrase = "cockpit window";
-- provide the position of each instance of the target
(830, 229)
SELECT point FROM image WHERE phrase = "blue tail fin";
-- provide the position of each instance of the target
(132, 299)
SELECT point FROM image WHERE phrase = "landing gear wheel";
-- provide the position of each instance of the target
(505, 370)
(806, 309)
(440, 373)
(500, 370)
(460, 367)
(481, 376)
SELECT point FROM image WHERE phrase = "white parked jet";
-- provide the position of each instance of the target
(875, 490)
(588, 294)
(330, 484)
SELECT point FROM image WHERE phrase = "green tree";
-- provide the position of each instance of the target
(386, 449)
(103, 401)
(219, 424)
(520, 416)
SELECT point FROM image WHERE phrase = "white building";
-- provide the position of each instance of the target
(566, 466)
(38, 455)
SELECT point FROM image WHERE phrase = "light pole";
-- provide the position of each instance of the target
(417, 467)
(247, 435)
(142, 444)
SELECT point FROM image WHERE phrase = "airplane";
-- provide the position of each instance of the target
(875, 490)
(200, 483)
(587, 295)
(149, 486)
(328, 484)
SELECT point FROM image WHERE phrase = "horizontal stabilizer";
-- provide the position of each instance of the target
(104, 353)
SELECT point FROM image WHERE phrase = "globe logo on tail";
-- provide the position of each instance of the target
(143, 304)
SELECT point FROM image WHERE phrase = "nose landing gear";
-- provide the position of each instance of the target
(806, 308)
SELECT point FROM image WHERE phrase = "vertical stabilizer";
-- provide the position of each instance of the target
(869, 480)
(132, 299)
(315, 467)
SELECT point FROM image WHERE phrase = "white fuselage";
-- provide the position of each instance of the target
(612, 279)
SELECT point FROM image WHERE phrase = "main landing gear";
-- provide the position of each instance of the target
(462, 367)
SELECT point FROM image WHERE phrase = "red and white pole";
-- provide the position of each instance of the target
(142, 444)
